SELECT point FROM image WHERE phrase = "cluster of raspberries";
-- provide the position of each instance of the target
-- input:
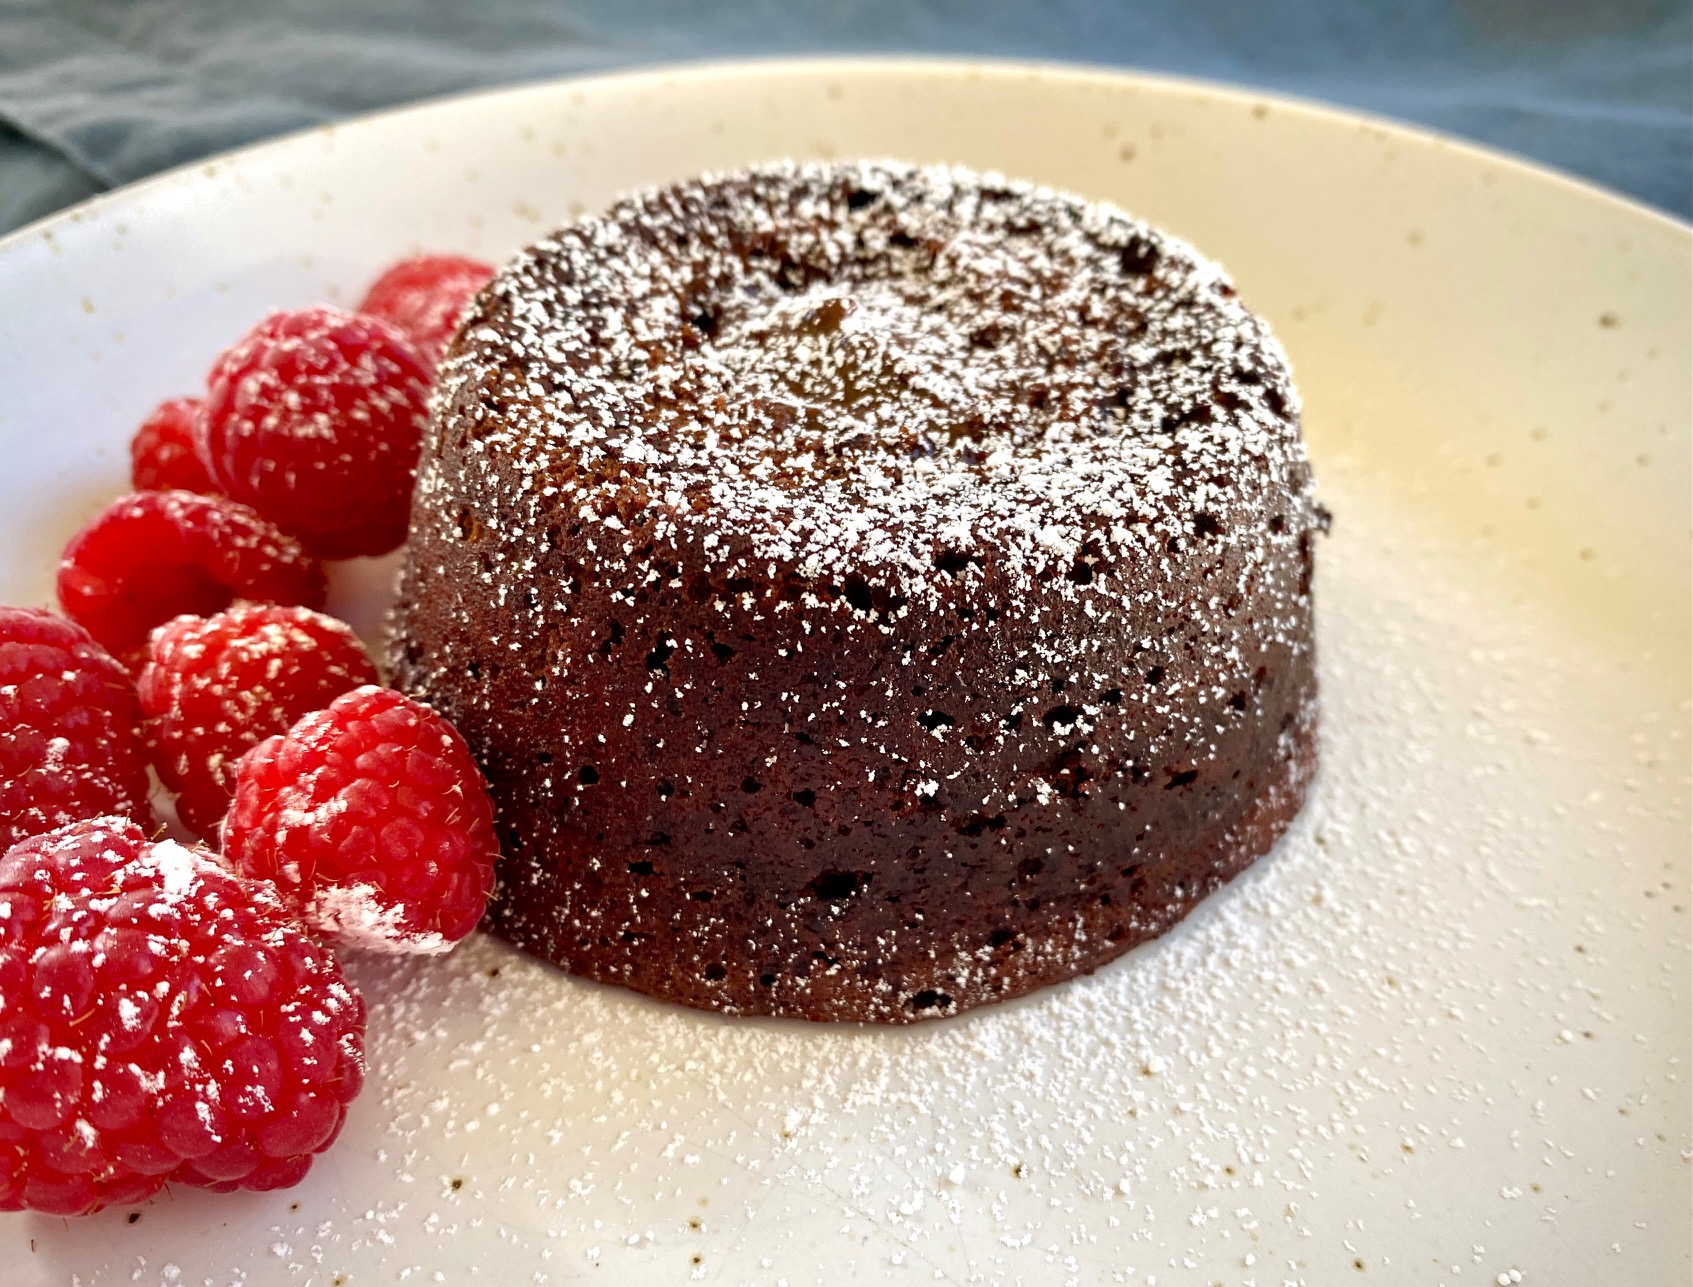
(170, 1011)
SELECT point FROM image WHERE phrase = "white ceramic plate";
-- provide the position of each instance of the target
(1440, 1035)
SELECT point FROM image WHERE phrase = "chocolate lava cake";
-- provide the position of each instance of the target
(871, 591)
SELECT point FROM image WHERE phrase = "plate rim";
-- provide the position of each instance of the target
(915, 65)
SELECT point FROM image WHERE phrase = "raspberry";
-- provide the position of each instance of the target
(315, 420)
(425, 296)
(161, 455)
(151, 556)
(214, 687)
(372, 817)
(69, 746)
(161, 1018)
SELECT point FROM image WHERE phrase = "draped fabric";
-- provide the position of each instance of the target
(95, 93)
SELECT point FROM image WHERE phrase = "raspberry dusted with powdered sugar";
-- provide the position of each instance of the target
(161, 1018)
(151, 556)
(161, 455)
(214, 687)
(372, 817)
(69, 745)
(315, 419)
(425, 297)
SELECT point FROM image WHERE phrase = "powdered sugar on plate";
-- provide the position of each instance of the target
(1417, 1021)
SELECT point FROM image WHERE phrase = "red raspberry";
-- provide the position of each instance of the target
(69, 745)
(373, 818)
(151, 556)
(161, 455)
(161, 1018)
(425, 296)
(214, 687)
(315, 420)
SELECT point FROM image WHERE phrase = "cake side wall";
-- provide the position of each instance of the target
(871, 591)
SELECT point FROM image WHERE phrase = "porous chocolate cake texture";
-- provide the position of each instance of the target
(872, 591)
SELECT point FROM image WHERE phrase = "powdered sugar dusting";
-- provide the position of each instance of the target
(177, 865)
(946, 358)
(360, 916)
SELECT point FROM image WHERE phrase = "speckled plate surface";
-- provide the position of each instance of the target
(1440, 1035)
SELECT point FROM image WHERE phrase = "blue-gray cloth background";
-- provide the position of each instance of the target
(94, 93)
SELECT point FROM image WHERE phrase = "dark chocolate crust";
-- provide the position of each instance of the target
(871, 591)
